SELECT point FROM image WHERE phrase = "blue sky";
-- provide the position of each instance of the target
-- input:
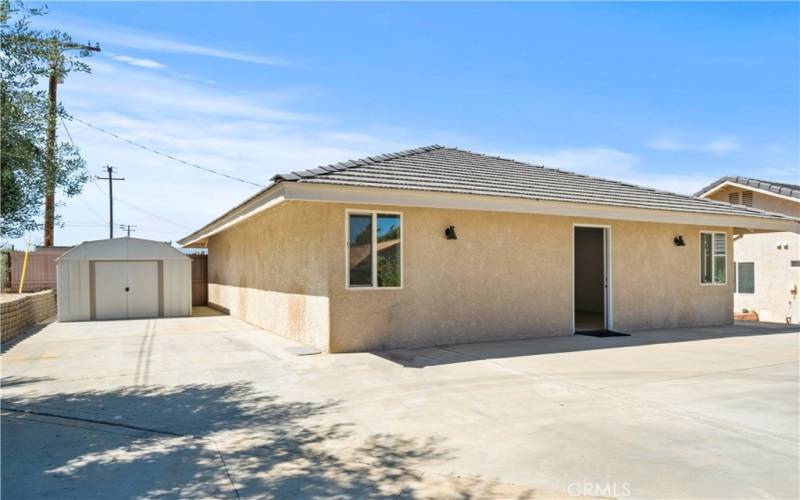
(666, 95)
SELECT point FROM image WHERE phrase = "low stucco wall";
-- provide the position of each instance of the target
(507, 276)
(17, 313)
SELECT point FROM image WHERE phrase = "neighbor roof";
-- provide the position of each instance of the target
(781, 188)
(450, 170)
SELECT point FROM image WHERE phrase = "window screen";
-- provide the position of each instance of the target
(745, 277)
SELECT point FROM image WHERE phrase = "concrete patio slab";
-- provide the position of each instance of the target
(212, 406)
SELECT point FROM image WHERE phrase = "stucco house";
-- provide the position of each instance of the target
(438, 245)
(766, 265)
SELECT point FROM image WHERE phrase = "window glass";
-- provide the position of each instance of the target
(719, 269)
(705, 258)
(745, 277)
(388, 238)
(360, 252)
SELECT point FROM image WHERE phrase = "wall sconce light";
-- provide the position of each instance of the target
(678, 240)
(450, 233)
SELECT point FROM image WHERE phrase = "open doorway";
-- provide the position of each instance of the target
(591, 283)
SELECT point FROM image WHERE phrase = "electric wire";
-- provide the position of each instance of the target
(165, 155)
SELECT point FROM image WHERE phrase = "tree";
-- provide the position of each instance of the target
(29, 56)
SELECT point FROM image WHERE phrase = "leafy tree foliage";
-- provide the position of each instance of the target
(28, 56)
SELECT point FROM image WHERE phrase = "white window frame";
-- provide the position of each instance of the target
(374, 243)
(713, 261)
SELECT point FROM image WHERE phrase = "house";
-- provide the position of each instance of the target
(438, 245)
(766, 265)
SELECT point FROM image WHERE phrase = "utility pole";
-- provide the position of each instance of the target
(129, 228)
(111, 179)
(51, 169)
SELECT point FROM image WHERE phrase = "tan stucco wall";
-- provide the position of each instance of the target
(510, 276)
(272, 271)
(657, 284)
(507, 276)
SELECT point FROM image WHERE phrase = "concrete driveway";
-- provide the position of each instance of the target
(213, 407)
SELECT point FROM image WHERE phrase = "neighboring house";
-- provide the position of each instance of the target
(438, 245)
(767, 265)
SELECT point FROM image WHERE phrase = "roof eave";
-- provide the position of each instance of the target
(291, 190)
(726, 182)
(271, 196)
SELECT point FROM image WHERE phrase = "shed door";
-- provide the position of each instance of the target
(126, 290)
(110, 279)
(143, 289)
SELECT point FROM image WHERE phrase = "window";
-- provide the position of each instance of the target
(744, 277)
(747, 198)
(374, 250)
(733, 198)
(713, 258)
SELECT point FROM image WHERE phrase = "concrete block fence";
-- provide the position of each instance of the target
(18, 314)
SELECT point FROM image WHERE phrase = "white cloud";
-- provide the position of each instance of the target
(613, 164)
(135, 61)
(669, 143)
(604, 162)
(250, 135)
(119, 36)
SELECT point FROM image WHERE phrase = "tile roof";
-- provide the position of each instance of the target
(450, 170)
(791, 190)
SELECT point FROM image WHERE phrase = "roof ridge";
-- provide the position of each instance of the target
(348, 164)
(553, 169)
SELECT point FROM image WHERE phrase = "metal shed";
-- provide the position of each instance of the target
(123, 278)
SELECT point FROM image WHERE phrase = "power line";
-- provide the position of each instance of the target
(119, 200)
(165, 155)
(92, 210)
(151, 214)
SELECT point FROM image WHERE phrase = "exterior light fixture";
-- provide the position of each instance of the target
(450, 233)
(678, 240)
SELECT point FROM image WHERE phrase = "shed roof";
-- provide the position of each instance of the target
(780, 188)
(123, 249)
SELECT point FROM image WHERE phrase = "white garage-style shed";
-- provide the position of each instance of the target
(123, 278)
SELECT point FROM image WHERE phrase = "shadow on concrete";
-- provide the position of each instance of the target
(29, 332)
(200, 441)
(12, 381)
(459, 353)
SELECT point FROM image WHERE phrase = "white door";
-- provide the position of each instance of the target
(110, 279)
(142, 289)
(126, 290)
